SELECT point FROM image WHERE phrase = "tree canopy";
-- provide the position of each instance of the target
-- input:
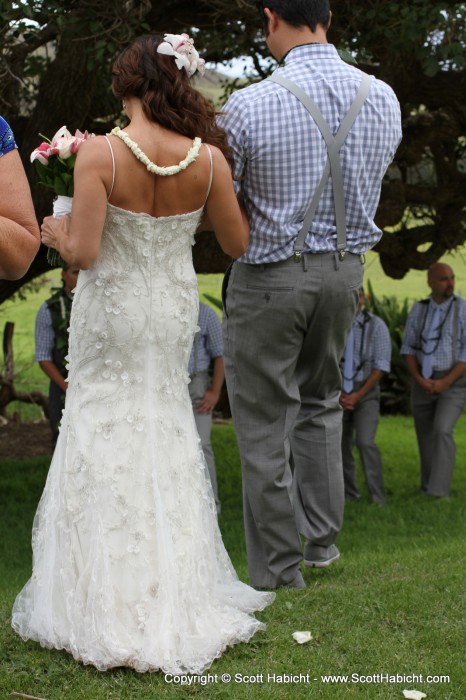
(55, 70)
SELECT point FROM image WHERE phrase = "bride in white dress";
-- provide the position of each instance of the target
(129, 568)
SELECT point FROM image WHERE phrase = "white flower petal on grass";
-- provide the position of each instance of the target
(414, 694)
(302, 637)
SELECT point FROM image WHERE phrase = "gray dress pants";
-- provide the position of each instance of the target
(435, 416)
(285, 327)
(198, 386)
(360, 426)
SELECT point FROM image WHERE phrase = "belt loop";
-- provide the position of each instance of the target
(336, 259)
(305, 260)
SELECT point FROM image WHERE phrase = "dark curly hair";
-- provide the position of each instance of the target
(167, 95)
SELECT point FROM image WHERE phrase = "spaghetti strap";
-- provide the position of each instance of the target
(113, 168)
(211, 174)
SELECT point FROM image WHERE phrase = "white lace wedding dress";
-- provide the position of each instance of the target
(129, 566)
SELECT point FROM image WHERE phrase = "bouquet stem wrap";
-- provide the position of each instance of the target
(61, 207)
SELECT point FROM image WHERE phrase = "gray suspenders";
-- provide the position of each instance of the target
(333, 165)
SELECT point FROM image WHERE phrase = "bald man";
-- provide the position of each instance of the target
(434, 347)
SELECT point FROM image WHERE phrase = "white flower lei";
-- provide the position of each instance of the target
(152, 167)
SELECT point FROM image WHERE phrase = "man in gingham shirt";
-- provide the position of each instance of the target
(370, 355)
(434, 346)
(285, 324)
(204, 391)
(51, 343)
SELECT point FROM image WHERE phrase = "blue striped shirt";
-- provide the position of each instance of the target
(280, 154)
(208, 341)
(372, 346)
(417, 330)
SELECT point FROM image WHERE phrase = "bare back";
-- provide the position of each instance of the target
(136, 189)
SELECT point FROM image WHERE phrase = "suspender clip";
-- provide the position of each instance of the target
(341, 255)
(298, 256)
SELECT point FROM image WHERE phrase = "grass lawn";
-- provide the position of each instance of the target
(394, 603)
(23, 312)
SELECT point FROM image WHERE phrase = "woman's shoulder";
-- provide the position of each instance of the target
(94, 145)
(219, 162)
(93, 151)
(217, 155)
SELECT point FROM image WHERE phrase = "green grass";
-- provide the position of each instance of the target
(22, 312)
(394, 603)
(414, 285)
(29, 377)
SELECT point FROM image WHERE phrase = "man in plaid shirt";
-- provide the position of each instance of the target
(310, 146)
(51, 340)
(434, 347)
(366, 359)
(204, 390)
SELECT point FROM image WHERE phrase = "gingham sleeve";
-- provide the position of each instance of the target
(44, 335)
(214, 334)
(462, 331)
(234, 118)
(381, 346)
(408, 346)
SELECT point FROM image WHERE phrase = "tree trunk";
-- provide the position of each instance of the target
(8, 392)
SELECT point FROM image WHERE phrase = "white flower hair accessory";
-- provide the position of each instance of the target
(182, 47)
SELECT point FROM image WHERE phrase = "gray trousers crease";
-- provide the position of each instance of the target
(435, 417)
(360, 426)
(285, 327)
(199, 384)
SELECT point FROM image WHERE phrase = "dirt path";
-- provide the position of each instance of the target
(21, 440)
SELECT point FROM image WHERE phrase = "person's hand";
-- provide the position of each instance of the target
(426, 384)
(53, 229)
(208, 402)
(349, 401)
(438, 386)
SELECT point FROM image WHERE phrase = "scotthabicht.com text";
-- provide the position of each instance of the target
(305, 678)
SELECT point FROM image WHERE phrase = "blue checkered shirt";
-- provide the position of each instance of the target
(280, 154)
(44, 334)
(372, 346)
(418, 327)
(208, 341)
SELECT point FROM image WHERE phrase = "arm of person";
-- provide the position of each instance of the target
(52, 372)
(223, 212)
(77, 238)
(350, 401)
(212, 395)
(459, 368)
(413, 367)
(19, 231)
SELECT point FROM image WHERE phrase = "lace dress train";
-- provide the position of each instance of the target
(129, 568)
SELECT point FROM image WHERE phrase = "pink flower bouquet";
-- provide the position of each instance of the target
(54, 160)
